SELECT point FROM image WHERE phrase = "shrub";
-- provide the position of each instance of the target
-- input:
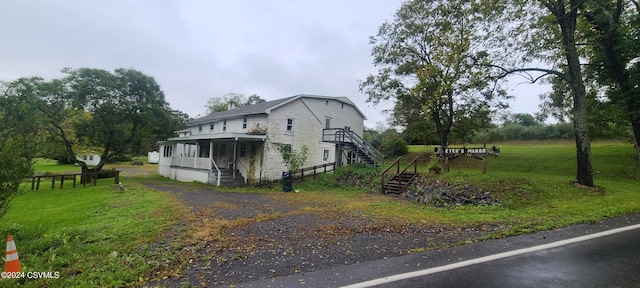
(394, 146)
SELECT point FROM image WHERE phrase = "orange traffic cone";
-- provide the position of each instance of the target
(12, 263)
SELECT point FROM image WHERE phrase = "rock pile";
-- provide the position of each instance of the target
(442, 194)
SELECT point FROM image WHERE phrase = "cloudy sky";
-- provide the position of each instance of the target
(201, 49)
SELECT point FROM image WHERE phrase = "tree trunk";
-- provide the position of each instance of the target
(85, 177)
(629, 97)
(635, 127)
(567, 22)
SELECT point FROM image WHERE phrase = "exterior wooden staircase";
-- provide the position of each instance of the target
(364, 151)
(398, 180)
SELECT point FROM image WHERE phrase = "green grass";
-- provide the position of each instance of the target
(92, 236)
(533, 181)
(52, 166)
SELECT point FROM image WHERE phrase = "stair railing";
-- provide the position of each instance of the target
(214, 165)
(384, 172)
(399, 174)
(348, 136)
(413, 162)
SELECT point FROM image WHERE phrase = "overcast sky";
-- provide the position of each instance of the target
(201, 49)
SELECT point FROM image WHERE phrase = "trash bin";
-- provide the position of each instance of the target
(287, 181)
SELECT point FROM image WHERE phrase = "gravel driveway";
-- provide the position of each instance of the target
(265, 236)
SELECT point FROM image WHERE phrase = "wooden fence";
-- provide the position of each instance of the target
(90, 176)
(318, 169)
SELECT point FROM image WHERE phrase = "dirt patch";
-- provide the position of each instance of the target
(240, 237)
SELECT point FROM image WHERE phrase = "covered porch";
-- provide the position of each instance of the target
(212, 158)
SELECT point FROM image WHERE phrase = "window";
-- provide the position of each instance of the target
(325, 155)
(289, 125)
(224, 125)
(243, 149)
(211, 127)
(168, 151)
(199, 128)
(327, 123)
(244, 122)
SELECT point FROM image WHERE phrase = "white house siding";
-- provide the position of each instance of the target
(342, 114)
(234, 125)
(188, 175)
(307, 130)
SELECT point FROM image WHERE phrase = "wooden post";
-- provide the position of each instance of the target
(53, 182)
(484, 159)
(484, 164)
(38, 184)
(33, 182)
(61, 181)
(74, 180)
(314, 172)
(446, 164)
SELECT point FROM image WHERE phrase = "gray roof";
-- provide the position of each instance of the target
(264, 108)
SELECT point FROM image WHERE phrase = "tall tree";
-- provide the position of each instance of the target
(97, 111)
(217, 104)
(615, 57)
(547, 29)
(120, 105)
(18, 142)
(429, 56)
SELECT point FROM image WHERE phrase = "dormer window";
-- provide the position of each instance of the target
(224, 125)
(244, 122)
(211, 127)
(199, 128)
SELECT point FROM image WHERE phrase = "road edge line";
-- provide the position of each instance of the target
(433, 270)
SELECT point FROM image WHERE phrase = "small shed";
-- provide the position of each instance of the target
(153, 157)
(90, 159)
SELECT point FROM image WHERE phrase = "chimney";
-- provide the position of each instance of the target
(231, 105)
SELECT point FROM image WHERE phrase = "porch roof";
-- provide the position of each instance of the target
(218, 136)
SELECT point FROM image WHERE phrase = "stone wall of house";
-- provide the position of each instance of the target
(341, 114)
(306, 130)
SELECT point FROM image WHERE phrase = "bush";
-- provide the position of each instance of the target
(394, 146)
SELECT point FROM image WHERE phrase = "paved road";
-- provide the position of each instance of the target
(608, 261)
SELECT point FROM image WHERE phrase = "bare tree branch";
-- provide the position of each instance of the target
(506, 72)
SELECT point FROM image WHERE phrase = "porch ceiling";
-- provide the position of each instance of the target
(218, 136)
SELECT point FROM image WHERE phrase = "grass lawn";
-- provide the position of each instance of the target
(97, 236)
(93, 236)
(533, 181)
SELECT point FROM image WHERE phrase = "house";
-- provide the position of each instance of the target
(240, 145)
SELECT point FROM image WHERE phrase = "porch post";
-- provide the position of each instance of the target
(195, 157)
(235, 146)
(210, 153)
(261, 158)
